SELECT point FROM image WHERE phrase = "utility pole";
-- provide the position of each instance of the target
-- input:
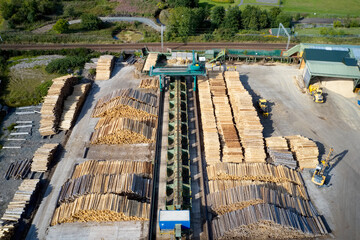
(162, 38)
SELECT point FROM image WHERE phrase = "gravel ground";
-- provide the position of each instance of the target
(33, 62)
(28, 147)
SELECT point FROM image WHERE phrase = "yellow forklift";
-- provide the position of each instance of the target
(317, 93)
(264, 107)
(319, 176)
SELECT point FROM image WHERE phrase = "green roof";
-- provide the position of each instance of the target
(325, 55)
(332, 69)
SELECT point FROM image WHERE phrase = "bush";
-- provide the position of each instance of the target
(61, 26)
(223, 1)
(337, 24)
(63, 65)
(91, 22)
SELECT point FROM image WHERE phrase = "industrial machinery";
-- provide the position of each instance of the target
(264, 107)
(220, 57)
(317, 93)
(319, 175)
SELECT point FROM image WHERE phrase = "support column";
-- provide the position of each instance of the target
(194, 83)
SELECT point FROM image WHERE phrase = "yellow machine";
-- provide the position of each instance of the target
(317, 93)
(319, 177)
(264, 107)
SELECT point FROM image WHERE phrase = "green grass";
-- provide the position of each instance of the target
(97, 7)
(130, 36)
(315, 31)
(211, 4)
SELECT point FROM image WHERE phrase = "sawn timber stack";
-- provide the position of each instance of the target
(104, 67)
(42, 157)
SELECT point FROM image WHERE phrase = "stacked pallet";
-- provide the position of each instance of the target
(42, 157)
(134, 186)
(73, 104)
(18, 169)
(278, 150)
(150, 61)
(306, 151)
(95, 167)
(246, 119)
(104, 67)
(284, 219)
(243, 196)
(208, 122)
(101, 208)
(123, 131)
(17, 206)
(149, 83)
(53, 104)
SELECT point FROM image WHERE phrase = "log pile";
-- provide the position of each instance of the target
(124, 131)
(278, 150)
(42, 157)
(104, 67)
(149, 83)
(95, 167)
(100, 208)
(246, 119)
(150, 61)
(17, 206)
(73, 104)
(133, 186)
(305, 151)
(208, 122)
(18, 169)
(51, 109)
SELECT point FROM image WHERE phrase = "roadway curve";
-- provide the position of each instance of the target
(151, 46)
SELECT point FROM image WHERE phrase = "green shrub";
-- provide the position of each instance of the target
(223, 1)
(64, 64)
(91, 22)
(61, 26)
(337, 24)
(11, 127)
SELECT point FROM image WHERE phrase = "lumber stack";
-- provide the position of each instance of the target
(17, 206)
(292, 223)
(278, 150)
(73, 104)
(100, 167)
(246, 118)
(104, 67)
(18, 169)
(100, 208)
(150, 61)
(42, 157)
(208, 122)
(134, 186)
(305, 151)
(123, 131)
(52, 107)
(149, 83)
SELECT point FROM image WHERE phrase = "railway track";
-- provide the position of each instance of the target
(151, 46)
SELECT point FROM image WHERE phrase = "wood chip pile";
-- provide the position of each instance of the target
(149, 83)
(104, 67)
(246, 118)
(305, 151)
(52, 107)
(42, 157)
(17, 206)
(18, 169)
(150, 61)
(73, 104)
(208, 122)
(278, 150)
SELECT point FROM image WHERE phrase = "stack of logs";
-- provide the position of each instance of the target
(278, 150)
(305, 151)
(42, 157)
(73, 104)
(246, 118)
(150, 61)
(149, 83)
(17, 206)
(105, 191)
(104, 67)
(51, 109)
(208, 122)
(18, 169)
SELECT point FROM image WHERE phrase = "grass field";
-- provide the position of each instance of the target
(316, 31)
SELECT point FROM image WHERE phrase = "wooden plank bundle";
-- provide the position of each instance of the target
(18, 169)
(305, 151)
(99, 167)
(124, 131)
(149, 83)
(73, 104)
(131, 185)
(52, 107)
(242, 196)
(278, 150)
(246, 118)
(104, 67)
(100, 208)
(208, 122)
(301, 226)
(150, 61)
(42, 157)
(17, 206)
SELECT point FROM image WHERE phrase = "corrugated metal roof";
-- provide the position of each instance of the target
(355, 52)
(333, 69)
(325, 55)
